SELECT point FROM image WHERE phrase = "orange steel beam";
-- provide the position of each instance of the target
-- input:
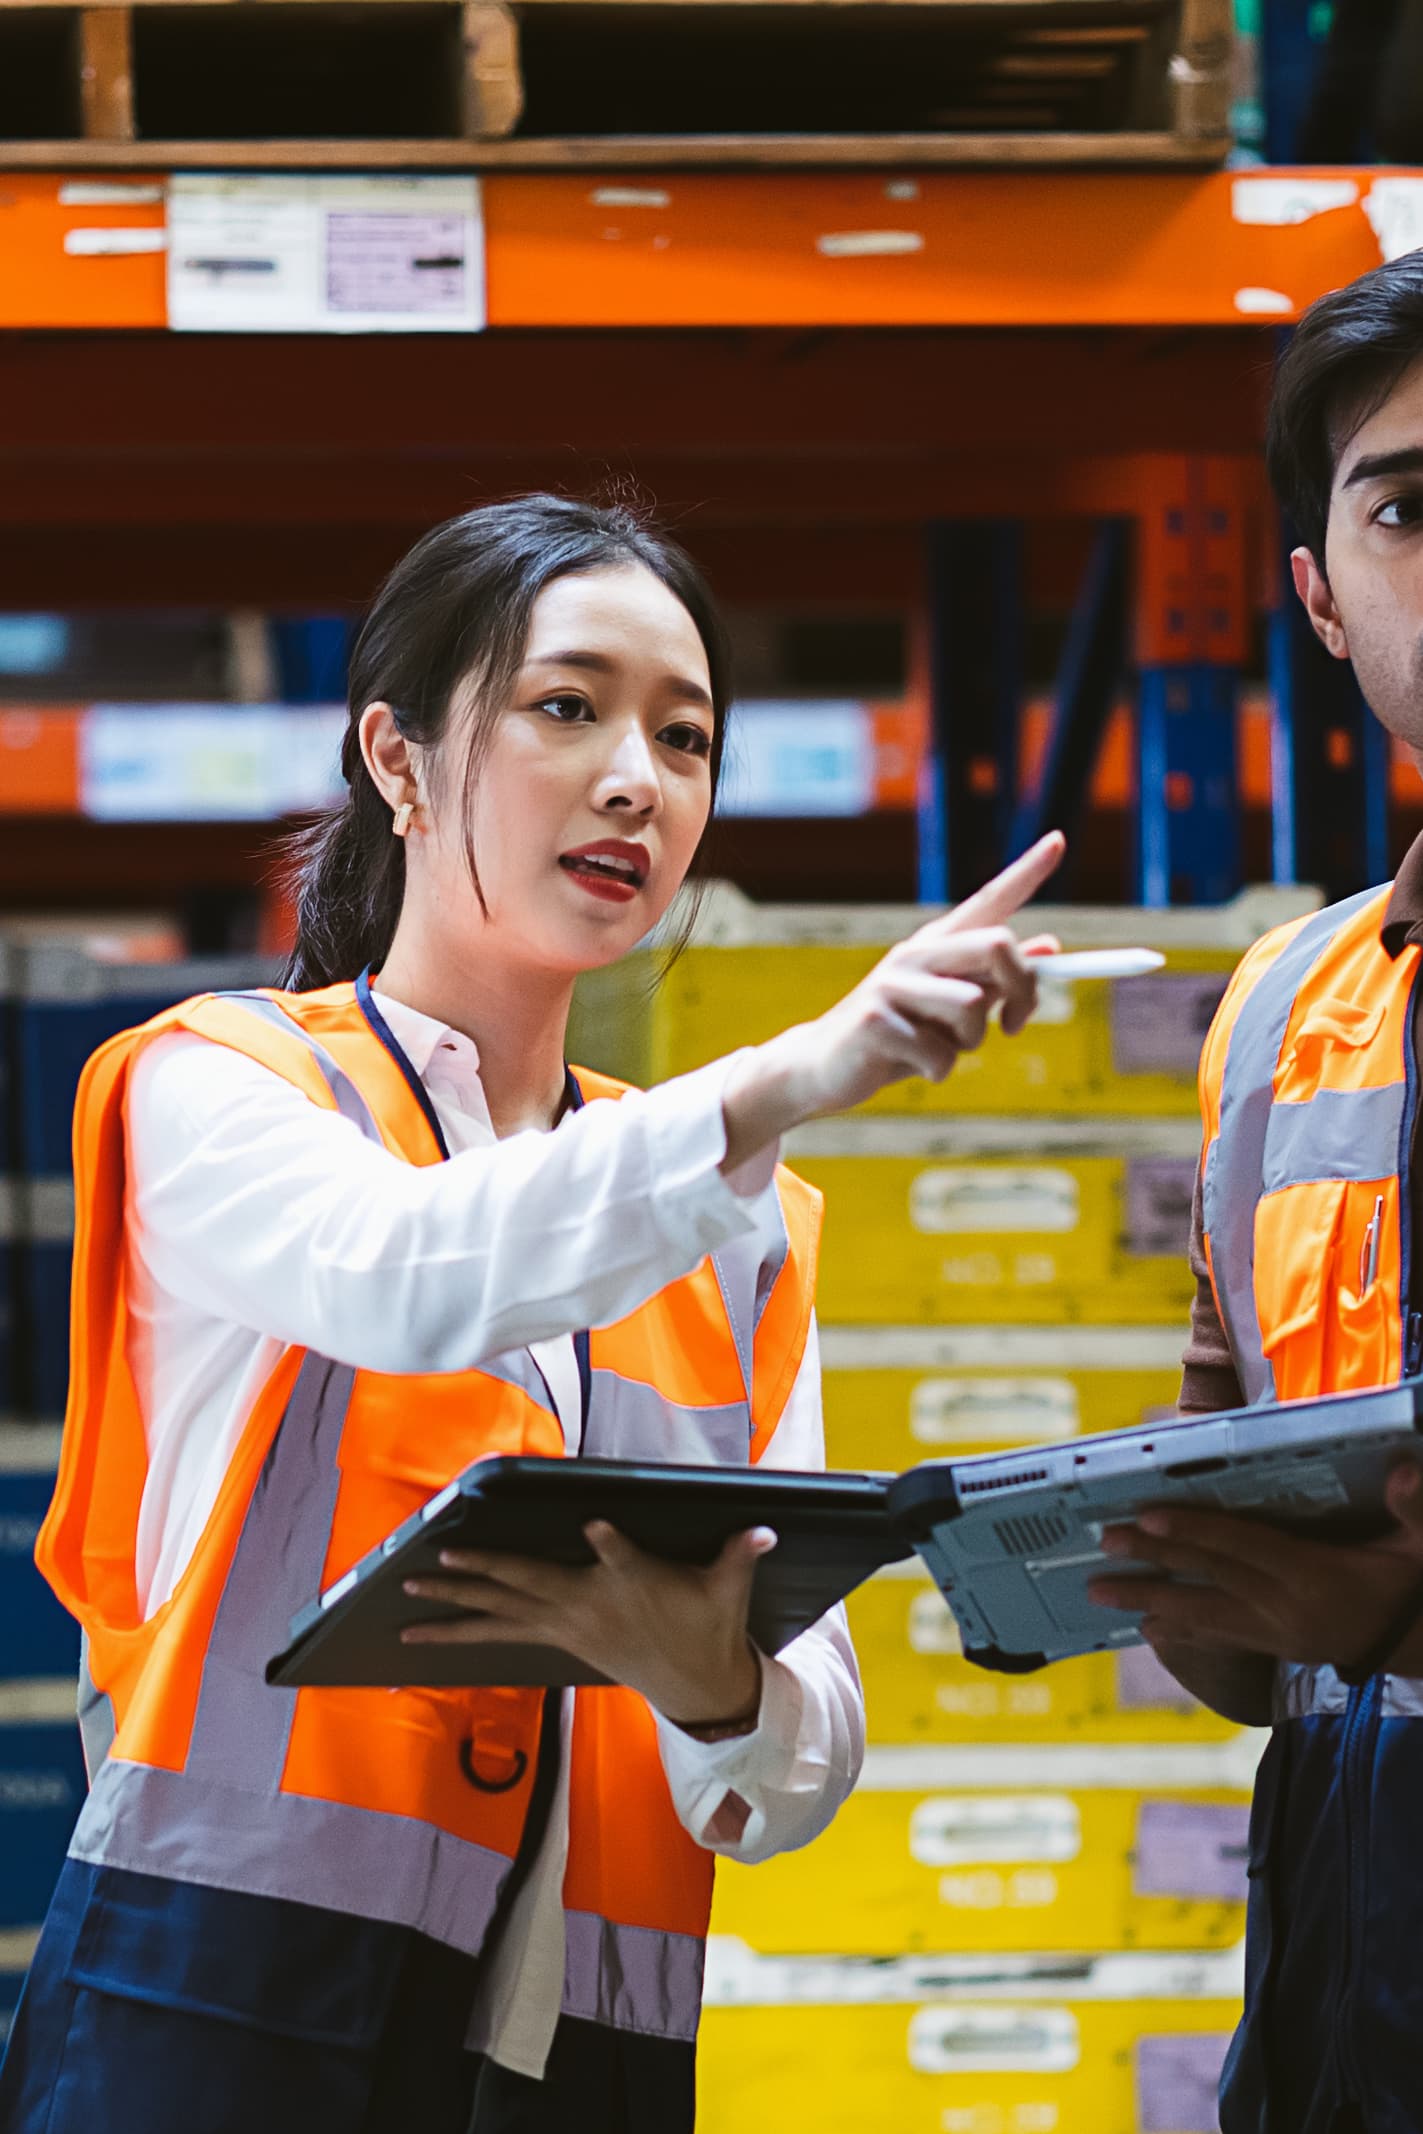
(799, 248)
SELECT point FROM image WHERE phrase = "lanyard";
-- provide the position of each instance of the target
(574, 1099)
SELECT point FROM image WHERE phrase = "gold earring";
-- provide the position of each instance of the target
(400, 822)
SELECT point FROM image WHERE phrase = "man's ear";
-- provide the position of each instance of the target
(1313, 589)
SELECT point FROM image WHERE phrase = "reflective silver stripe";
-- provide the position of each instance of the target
(631, 1421)
(349, 1101)
(736, 1267)
(241, 1726)
(389, 1867)
(1310, 1692)
(1339, 1133)
(633, 1978)
(1235, 1160)
(95, 1713)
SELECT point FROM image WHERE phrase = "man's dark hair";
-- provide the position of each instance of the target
(1344, 359)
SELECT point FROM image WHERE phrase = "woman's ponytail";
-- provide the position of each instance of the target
(348, 874)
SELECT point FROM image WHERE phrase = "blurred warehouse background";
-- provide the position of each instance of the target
(941, 336)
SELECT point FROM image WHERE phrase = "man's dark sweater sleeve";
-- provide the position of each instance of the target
(1208, 1377)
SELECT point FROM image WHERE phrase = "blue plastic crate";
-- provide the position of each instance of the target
(42, 1787)
(43, 1362)
(10, 1218)
(37, 1637)
(9, 1192)
(64, 1005)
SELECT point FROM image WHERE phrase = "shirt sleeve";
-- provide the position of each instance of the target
(1209, 1380)
(250, 1202)
(778, 1787)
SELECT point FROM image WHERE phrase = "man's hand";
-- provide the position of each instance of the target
(1253, 1589)
(676, 1632)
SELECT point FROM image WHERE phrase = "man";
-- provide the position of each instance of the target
(1308, 1248)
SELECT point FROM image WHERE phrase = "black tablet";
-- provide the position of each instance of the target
(834, 1532)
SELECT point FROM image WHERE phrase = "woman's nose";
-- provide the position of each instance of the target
(629, 777)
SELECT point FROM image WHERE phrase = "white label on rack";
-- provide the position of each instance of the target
(325, 254)
(990, 2041)
(970, 1830)
(931, 1625)
(1004, 1198)
(207, 762)
(991, 1411)
(1394, 207)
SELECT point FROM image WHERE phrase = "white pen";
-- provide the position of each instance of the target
(1100, 963)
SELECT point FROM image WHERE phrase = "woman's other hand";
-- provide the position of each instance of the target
(675, 1632)
(922, 1005)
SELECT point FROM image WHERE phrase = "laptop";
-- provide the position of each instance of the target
(1012, 1538)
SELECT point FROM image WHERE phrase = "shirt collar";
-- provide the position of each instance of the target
(421, 1036)
(1403, 920)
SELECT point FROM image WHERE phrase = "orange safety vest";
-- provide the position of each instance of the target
(1308, 1091)
(400, 1805)
(1307, 1088)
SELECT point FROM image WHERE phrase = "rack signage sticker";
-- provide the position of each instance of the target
(311, 253)
(208, 762)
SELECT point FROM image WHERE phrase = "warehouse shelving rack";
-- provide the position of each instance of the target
(719, 82)
(754, 330)
(761, 352)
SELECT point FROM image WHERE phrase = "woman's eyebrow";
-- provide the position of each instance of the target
(599, 663)
(1376, 466)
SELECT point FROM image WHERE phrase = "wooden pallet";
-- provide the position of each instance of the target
(612, 83)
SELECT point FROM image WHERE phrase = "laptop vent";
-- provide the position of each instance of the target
(1004, 1481)
(1032, 1533)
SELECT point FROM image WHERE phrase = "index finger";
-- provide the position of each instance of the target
(521, 1574)
(1223, 1534)
(1008, 891)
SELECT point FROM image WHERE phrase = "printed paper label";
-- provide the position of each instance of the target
(1144, 1685)
(1159, 1023)
(1176, 2082)
(1191, 1849)
(320, 254)
(1160, 1190)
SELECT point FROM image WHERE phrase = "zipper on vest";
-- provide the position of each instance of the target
(1356, 1760)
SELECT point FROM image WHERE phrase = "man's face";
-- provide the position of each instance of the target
(1366, 605)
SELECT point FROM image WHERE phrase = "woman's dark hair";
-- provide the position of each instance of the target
(1344, 359)
(448, 629)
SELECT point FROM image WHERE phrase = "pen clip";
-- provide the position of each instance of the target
(1369, 1250)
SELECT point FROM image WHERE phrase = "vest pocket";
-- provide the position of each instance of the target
(1328, 1303)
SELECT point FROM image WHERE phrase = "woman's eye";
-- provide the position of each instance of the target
(688, 740)
(1400, 511)
(568, 710)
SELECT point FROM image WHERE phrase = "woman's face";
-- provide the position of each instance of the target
(595, 787)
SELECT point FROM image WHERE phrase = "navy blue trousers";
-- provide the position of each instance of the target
(156, 2007)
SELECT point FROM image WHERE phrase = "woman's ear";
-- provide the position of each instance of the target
(1313, 589)
(388, 756)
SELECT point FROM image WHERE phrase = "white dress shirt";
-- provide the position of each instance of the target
(389, 1266)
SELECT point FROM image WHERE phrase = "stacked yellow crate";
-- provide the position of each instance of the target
(1027, 1918)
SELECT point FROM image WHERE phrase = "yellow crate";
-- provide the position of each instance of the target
(1058, 2060)
(1093, 1048)
(1064, 1849)
(981, 1222)
(918, 1687)
(897, 1395)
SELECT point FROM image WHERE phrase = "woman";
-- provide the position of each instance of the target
(336, 1243)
